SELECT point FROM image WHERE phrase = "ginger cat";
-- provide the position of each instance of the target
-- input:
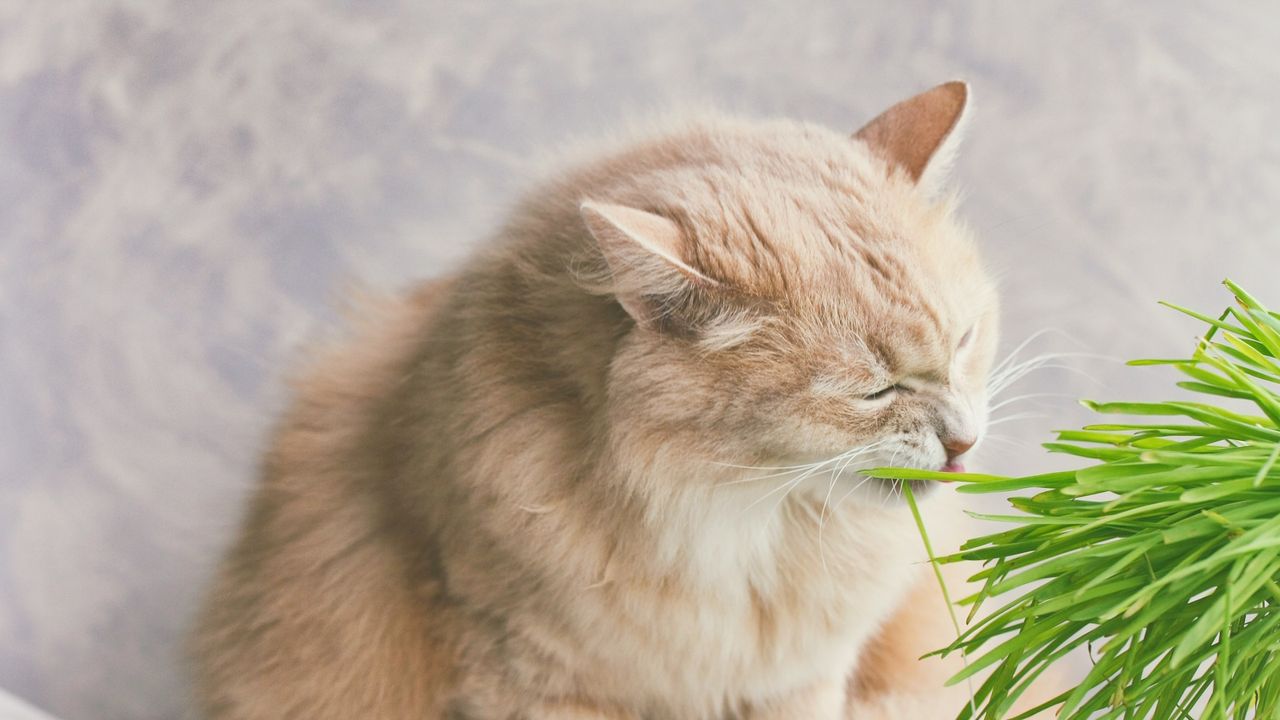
(609, 469)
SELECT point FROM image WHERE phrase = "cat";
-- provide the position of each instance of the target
(608, 470)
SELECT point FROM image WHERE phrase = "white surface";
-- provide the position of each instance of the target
(186, 186)
(11, 708)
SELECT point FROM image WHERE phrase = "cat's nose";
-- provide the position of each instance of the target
(957, 446)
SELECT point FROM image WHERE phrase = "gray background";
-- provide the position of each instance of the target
(187, 189)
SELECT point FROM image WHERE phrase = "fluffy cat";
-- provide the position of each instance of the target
(608, 470)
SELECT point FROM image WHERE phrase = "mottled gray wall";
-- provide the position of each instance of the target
(187, 187)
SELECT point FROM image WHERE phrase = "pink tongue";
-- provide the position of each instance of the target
(953, 467)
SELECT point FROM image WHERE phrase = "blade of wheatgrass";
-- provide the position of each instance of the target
(1228, 354)
(1215, 322)
(918, 474)
(1259, 395)
(1267, 318)
(1242, 295)
(937, 569)
(1248, 351)
(1266, 466)
(1258, 332)
(1224, 656)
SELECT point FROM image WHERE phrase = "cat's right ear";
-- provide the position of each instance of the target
(919, 135)
(645, 253)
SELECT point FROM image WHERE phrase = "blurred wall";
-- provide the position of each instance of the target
(187, 188)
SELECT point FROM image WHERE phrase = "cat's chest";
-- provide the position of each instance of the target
(751, 616)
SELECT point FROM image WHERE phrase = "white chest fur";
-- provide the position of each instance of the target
(750, 605)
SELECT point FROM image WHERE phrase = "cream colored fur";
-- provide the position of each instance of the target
(570, 481)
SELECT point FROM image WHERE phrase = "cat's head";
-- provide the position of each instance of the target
(794, 294)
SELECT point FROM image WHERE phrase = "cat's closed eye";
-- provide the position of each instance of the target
(882, 393)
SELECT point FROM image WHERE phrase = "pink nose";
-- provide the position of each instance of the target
(957, 446)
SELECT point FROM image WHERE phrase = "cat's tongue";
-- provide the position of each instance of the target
(953, 467)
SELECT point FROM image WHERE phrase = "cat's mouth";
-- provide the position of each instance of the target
(951, 466)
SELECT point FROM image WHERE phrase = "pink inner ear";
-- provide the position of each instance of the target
(912, 132)
(627, 235)
(645, 253)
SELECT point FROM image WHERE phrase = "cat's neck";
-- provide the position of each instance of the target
(725, 527)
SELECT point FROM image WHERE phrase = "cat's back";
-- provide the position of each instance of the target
(313, 613)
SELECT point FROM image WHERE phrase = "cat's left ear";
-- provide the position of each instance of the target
(920, 135)
(646, 256)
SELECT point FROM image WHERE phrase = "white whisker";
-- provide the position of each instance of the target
(1006, 375)
(893, 462)
(786, 487)
(851, 491)
(765, 477)
(1027, 396)
(790, 485)
(1009, 440)
(822, 517)
(1013, 417)
(1013, 354)
(767, 467)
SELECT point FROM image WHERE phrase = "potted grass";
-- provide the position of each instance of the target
(1160, 555)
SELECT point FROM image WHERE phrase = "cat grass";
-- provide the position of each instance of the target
(1160, 556)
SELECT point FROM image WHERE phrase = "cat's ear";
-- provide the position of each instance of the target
(645, 254)
(920, 135)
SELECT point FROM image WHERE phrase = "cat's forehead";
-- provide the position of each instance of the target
(812, 219)
(790, 207)
(811, 240)
(902, 327)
